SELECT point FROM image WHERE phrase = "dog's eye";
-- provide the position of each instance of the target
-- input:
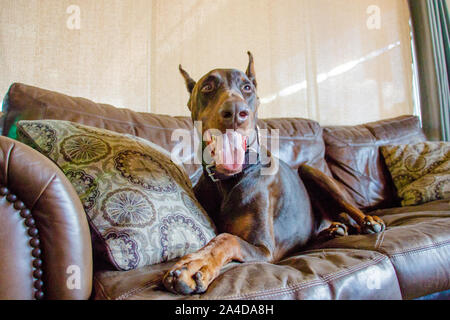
(208, 87)
(247, 88)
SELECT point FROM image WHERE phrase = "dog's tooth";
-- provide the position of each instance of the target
(227, 150)
(207, 135)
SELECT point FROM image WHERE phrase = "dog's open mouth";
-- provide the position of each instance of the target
(227, 151)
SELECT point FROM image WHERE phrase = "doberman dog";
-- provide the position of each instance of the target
(259, 217)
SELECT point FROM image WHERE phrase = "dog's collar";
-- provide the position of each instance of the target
(251, 152)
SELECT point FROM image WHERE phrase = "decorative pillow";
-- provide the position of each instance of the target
(421, 172)
(140, 204)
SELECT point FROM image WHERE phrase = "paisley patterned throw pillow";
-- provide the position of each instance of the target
(140, 204)
(421, 172)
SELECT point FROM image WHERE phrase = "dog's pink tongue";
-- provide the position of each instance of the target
(232, 154)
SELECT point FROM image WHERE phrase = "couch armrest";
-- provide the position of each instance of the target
(45, 245)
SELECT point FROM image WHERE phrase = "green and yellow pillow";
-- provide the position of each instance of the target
(421, 171)
(140, 204)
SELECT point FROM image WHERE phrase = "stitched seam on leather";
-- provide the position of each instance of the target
(382, 124)
(134, 291)
(43, 190)
(318, 131)
(274, 291)
(134, 125)
(292, 290)
(100, 286)
(380, 239)
(372, 132)
(375, 143)
(412, 252)
(46, 185)
(396, 140)
(8, 157)
(44, 104)
(420, 249)
(110, 119)
(296, 138)
(397, 120)
(305, 284)
(326, 279)
(258, 297)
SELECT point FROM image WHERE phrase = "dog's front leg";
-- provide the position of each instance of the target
(194, 272)
(351, 215)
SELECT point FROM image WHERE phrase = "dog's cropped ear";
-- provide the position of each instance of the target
(251, 69)
(190, 83)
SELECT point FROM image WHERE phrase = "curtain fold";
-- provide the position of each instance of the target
(431, 27)
(440, 22)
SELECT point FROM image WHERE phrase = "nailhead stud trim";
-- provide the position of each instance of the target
(34, 242)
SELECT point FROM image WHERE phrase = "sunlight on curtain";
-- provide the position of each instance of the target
(328, 60)
(105, 58)
(335, 61)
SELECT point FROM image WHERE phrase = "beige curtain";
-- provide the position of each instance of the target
(335, 61)
(315, 59)
(97, 49)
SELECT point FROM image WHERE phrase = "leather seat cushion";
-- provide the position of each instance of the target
(316, 274)
(416, 241)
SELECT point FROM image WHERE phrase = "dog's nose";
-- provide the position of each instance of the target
(242, 115)
(234, 112)
(227, 114)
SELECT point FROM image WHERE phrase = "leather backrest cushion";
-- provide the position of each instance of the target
(301, 140)
(25, 102)
(353, 155)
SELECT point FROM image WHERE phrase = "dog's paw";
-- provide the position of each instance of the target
(373, 224)
(336, 230)
(192, 274)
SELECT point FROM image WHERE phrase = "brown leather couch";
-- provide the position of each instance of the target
(44, 230)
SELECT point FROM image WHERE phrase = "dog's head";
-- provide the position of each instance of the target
(225, 100)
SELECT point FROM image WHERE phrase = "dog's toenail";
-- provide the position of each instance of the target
(198, 275)
(177, 273)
